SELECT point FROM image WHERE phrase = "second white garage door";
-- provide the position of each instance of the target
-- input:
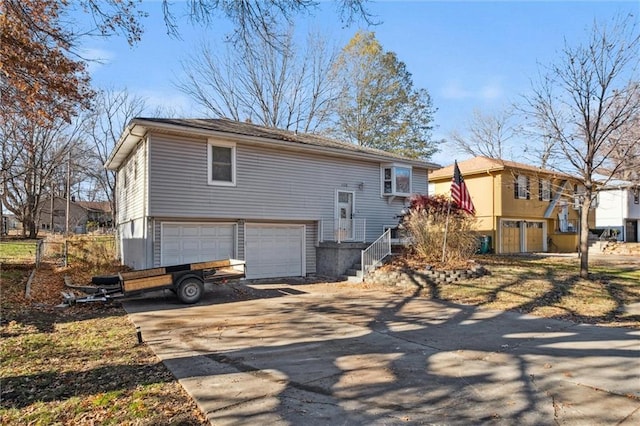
(274, 250)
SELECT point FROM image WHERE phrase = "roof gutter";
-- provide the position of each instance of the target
(125, 145)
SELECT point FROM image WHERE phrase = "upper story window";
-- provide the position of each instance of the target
(521, 187)
(396, 180)
(578, 193)
(544, 190)
(222, 163)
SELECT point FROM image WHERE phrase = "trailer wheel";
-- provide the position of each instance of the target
(190, 290)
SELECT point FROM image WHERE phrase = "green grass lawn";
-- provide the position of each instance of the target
(18, 251)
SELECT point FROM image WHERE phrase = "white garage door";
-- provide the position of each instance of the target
(274, 250)
(196, 242)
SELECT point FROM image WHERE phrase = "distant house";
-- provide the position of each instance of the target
(98, 213)
(522, 208)
(53, 214)
(288, 204)
(9, 223)
(618, 212)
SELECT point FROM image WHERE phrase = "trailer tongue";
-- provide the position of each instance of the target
(186, 281)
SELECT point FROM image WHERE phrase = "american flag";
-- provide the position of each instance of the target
(460, 193)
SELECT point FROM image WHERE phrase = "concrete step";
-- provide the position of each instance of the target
(354, 273)
(354, 279)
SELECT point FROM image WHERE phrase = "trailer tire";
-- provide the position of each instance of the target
(105, 280)
(190, 290)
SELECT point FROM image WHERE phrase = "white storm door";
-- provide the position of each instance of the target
(344, 215)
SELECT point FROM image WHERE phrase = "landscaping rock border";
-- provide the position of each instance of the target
(425, 277)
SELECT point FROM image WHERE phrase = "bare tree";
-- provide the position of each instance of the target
(113, 111)
(586, 102)
(258, 82)
(259, 19)
(625, 151)
(489, 135)
(31, 153)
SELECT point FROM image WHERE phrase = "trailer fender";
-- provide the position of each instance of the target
(189, 288)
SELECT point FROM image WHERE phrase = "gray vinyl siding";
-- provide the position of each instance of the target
(271, 185)
(131, 186)
(311, 238)
(131, 190)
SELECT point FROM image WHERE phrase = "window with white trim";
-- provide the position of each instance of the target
(545, 190)
(578, 193)
(221, 161)
(396, 180)
(522, 187)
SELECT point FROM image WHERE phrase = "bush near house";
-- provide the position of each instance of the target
(429, 221)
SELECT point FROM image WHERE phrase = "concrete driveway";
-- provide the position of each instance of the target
(332, 354)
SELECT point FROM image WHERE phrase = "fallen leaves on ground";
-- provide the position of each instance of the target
(79, 365)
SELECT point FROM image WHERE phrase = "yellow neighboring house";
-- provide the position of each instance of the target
(521, 207)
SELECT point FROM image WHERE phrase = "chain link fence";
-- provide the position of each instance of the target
(85, 250)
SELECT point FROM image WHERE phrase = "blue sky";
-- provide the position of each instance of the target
(467, 54)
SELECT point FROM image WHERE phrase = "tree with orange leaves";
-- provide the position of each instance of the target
(42, 77)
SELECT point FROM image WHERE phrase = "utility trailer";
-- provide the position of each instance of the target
(186, 281)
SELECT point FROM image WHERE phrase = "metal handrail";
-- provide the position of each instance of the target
(341, 230)
(372, 256)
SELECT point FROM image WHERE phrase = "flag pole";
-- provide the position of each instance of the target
(446, 230)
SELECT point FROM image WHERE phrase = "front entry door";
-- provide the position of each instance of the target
(631, 231)
(344, 213)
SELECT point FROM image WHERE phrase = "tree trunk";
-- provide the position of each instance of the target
(584, 235)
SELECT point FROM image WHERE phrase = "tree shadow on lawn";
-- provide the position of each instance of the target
(534, 288)
(22, 391)
(379, 358)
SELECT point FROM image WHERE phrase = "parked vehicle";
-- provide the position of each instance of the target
(186, 281)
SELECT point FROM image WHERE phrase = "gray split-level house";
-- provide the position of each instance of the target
(288, 204)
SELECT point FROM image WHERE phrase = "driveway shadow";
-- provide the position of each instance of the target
(343, 356)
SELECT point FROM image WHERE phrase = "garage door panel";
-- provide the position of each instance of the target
(188, 243)
(171, 231)
(274, 251)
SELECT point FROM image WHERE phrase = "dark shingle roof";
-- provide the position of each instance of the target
(249, 129)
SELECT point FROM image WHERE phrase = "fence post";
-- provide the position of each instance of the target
(38, 252)
(66, 253)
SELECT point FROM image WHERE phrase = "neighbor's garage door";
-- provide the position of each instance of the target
(274, 250)
(510, 235)
(535, 237)
(196, 242)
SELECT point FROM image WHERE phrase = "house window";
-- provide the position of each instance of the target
(395, 234)
(578, 193)
(521, 188)
(396, 180)
(544, 190)
(222, 164)
(636, 195)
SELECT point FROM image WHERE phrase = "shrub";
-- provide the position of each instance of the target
(425, 225)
